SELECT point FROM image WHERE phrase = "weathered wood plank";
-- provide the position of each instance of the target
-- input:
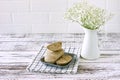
(18, 50)
(85, 71)
(32, 46)
(8, 57)
(54, 34)
(61, 78)
(111, 42)
(19, 46)
(21, 56)
(93, 69)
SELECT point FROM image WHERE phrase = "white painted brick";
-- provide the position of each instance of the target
(75, 28)
(113, 5)
(115, 19)
(57, 18)
(49, 28)
(15, 28)
(5, 18)
(112, 28)
(99, 3)
(14, 5)
(30, 18)
(72, 2)
(49, 5)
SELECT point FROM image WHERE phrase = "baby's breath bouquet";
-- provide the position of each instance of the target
(87, 15)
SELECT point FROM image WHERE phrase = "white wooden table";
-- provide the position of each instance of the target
(18, 50)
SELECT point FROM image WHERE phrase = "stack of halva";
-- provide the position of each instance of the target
(56, 55)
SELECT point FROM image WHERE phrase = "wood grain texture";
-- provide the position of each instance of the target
(18, 50)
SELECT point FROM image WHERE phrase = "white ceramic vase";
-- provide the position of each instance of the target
(90, 48)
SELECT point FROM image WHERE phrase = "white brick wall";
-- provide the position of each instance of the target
(49, 28)
(14, 5)
(30, 18)
(46, 16)
(15, 28)
(49, 5)
(5, 18)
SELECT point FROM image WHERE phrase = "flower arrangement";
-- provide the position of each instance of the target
(87, 15)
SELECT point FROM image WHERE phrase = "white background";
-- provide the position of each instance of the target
(46, 16)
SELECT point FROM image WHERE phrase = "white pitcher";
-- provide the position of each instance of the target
(90, 48)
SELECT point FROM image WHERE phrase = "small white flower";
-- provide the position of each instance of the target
(87, 15)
